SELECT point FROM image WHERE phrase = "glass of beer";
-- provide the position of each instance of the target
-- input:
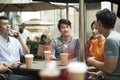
(29, 60)
(76, 70)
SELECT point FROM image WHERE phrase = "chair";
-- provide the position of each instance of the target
(40, 51)
(3, 76)
(8, 75)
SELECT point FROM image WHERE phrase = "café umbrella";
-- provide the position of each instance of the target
(31, 6)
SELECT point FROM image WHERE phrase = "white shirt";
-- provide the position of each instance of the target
(10, 50)
(24, 35)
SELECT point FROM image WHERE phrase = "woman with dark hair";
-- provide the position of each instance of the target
(91, 39)
(44, 39)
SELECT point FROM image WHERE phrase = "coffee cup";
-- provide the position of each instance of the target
(47, 55)
(76, 70)
(64, 58)
(29, 60)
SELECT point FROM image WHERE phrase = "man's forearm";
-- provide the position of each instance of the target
(24, 46)
(98, 65)
(107, 66)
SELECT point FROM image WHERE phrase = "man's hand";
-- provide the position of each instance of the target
(3, 68)
(15, 64)
(90, 61)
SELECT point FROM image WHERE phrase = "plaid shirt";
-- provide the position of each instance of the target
(73, 47)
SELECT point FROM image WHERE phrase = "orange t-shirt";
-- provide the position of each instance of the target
(97, 48)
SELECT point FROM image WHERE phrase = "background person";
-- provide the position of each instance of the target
(23, 32)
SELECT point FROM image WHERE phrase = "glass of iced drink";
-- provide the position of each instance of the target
(50, 72)
(76, 70)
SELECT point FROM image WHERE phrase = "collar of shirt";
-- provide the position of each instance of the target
(6, 40)
(69, 40)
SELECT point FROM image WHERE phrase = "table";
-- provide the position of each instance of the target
(39, 65)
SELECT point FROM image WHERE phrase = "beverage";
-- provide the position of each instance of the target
(64, 58)
(29, 60)
(78, 76)
(53, 76)
(77, 70)
(13, 33)
(47, 55)
(50, 72)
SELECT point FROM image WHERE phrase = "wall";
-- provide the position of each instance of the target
(92, 8)
(117, 26)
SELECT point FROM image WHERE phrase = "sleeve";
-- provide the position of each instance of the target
(53, 47)
(78, 50)
(21, 52)
(111, 49)
(91, 49)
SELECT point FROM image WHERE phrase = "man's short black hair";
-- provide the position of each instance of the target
(64, 21)
(107, 18)
(4, 17)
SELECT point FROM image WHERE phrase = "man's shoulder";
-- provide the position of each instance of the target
(56, 41)
(114, 36)
(75, 38)
(12, 39)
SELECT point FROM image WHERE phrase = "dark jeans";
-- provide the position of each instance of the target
(33, 74)
(13, 77)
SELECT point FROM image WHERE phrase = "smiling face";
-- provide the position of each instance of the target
(4, 27)
(65, 29)
(94, 30)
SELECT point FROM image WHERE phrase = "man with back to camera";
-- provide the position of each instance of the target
(105, 24)
(10, 47)
(64, 27)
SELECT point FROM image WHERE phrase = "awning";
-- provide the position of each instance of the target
(32, 6)
(77, 1)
